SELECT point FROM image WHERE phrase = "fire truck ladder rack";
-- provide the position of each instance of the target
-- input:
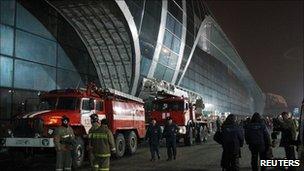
(124, 95)
(156, 88)
(106, 92)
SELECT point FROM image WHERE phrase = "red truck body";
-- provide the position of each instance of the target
(125, 114)
(175, 107)
(183, 113)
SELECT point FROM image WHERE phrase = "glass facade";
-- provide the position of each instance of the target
(42, 49)
(33, 61)
(218, 85)
(170, 48)
(211, 67)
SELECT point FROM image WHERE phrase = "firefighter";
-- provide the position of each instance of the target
(218, 123)
(102, 142)
(206, 130)
(64, 138)
(95, 125)
(153, 135)
(170, 132)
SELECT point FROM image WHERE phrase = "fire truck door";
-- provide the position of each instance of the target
(86, 110)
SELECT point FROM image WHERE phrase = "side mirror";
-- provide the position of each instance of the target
(22, 108)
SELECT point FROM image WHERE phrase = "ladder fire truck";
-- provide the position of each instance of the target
(183, 106)
(124, 112)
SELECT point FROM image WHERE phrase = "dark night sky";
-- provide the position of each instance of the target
(268, 35)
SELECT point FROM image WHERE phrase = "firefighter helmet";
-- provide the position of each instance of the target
(65, 119)
(94, 118)
(104, 122)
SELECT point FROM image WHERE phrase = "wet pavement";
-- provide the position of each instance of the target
(203, 157)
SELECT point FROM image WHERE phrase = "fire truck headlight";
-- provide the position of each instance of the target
(182, 130)
(9, 132)
(53, 120)
(37, 135)
(50, 131)
(2, 141)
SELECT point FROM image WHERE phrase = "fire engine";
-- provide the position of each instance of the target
(124, 112)
(182, 105)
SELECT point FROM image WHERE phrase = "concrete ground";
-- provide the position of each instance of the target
(203, 157)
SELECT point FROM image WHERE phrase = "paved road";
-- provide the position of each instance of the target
(203, 157)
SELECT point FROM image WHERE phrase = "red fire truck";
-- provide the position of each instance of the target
(183, 106)
(125, 113)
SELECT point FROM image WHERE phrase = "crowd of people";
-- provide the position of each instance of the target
(101, 143)
(231, 134)
(260, 134)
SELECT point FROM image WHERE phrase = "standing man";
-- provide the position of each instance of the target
(289, 131)
(170, 132)
(102, 142)
(63, 139)
(154, 135)
(95, 125)
(218, 123)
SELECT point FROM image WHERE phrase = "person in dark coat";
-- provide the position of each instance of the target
(232, 139)
(288, 137)
(170, 133)
(154, 136)
(258, 139)
(218, 123)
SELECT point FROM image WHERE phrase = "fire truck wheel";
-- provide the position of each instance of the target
(78, 152)
(189, 137)
(120, 145)
(131, 142)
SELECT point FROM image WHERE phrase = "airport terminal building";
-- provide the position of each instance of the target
(59, 44)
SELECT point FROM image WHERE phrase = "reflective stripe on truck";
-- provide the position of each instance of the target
(27, 142)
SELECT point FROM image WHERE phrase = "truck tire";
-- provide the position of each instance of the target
(131, 143)
(189, 137)
(199, 135)
(120, 145)
(78, 152)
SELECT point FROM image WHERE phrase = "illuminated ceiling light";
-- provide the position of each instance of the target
(165, 50)
(208, 105)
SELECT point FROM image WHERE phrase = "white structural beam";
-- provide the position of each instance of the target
(130, 20)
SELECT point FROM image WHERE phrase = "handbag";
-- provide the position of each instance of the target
(269, 153)
(218, 137)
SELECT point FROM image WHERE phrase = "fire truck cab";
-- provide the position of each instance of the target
(124, 112)
(183, 106)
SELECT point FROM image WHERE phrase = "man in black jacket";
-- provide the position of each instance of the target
(258, 139)
(288, 137)
(232, 139)
(170, 133)
(154, 135)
